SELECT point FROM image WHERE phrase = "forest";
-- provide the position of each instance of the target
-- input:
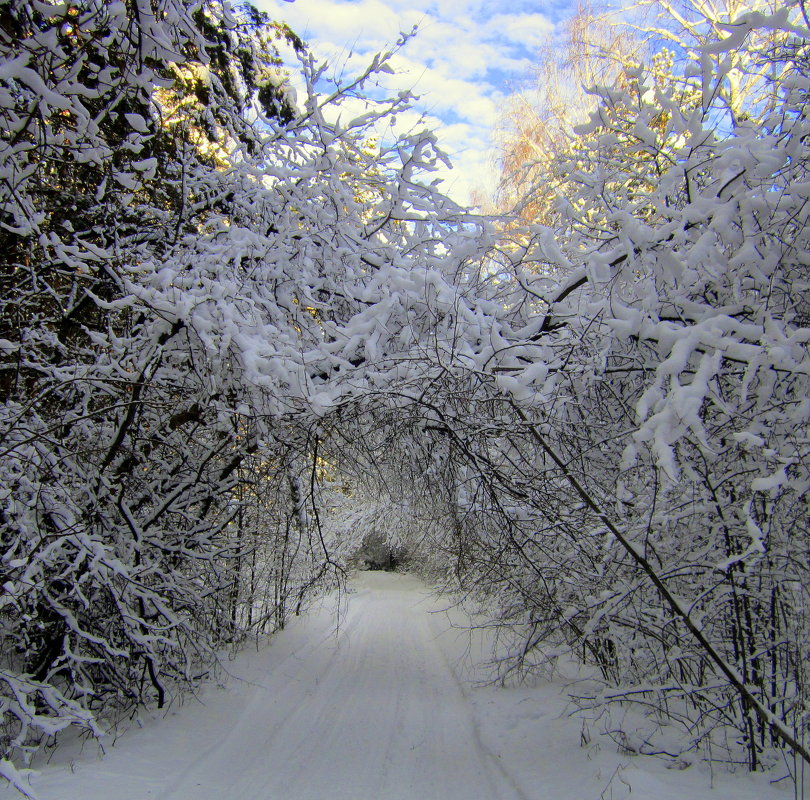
(242, 335)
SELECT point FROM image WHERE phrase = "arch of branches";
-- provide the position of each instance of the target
(238, 335)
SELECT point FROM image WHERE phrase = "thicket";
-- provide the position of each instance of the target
(237, 337)
(194, 267)
(654, 429)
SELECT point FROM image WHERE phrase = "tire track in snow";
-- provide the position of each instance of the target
(238, 731)
(376, 713)
(517, 792)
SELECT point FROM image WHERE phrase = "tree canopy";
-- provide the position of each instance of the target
(240, 334)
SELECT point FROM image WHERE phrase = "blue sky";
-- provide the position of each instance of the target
(466, 60)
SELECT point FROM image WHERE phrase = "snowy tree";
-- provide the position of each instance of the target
(195, 273)
(663, 381)
(240, 331)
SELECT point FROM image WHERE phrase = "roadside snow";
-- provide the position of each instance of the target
(381, 710)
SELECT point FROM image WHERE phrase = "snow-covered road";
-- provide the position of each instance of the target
(373, 712)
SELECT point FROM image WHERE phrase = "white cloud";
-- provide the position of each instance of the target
(443, 94)
(365, 25)
(527, 30)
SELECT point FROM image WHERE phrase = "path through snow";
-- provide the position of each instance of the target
(375, 711)
(371, 711)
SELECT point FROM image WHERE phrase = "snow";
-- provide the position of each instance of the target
(385, 706)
